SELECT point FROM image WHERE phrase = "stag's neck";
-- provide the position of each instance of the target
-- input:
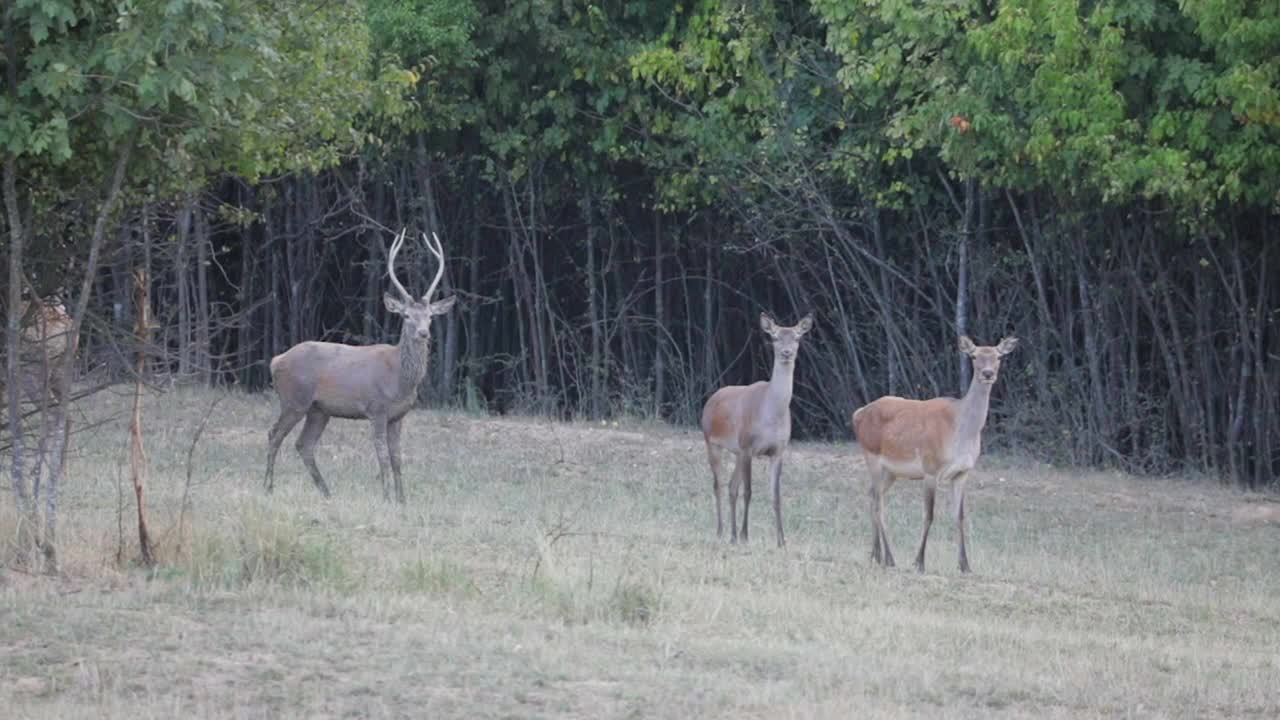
(413, 363)
(973, 408)
(778, 394)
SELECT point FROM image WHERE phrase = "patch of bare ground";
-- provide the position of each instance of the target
(571, 570)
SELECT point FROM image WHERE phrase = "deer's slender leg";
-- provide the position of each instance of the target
(883, 483)
(775, 479)
(715, 456)
(393, 446)
(384, 455)
(279, 431)
(930, 493)
(873, 494)
(307, 441)
(746, 495)
(741, 469)
(957, 505)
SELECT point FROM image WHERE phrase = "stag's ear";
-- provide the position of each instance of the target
(1007, 345)
(966, 345)
(393, 303)
(768, 325)
(441, 307)
(805, 324)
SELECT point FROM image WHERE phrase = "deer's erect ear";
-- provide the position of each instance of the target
(441, 307)
(393, 303)
(1007, 345)
(966, 345)
(768, 325)
(805, 324)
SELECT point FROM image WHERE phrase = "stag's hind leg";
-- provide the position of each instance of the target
(279, 431)
(307, 441)
(715, 456)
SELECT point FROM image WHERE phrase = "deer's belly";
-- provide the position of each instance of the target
(909, 468)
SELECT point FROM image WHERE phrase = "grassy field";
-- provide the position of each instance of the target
(572, 570)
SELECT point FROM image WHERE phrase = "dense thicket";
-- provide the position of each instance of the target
(622, 187)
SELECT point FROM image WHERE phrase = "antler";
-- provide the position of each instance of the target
(438, 251)
(391, 266)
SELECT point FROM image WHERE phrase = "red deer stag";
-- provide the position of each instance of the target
(752, 421)
(321, 380)
(935, 440)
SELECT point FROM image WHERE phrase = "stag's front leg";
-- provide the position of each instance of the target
(393, 445)
(384, 454)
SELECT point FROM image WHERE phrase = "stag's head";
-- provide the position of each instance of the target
(417, 313)
(986, 359)
(786, 340)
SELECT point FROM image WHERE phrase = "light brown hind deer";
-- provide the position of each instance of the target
(935, 440)
(378, 383)
(754, 421)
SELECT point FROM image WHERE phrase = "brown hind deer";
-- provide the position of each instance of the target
(935, 440)
(321, 380)
(752, 421)
(45, 335)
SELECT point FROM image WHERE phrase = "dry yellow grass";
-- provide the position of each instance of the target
(571, 570)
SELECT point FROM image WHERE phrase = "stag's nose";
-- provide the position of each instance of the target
(988, 374)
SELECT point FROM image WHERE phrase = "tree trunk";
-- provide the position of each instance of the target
(962, 270)
(1098, 407)
(593, 309)
(659, 321)
(138, 458)
(204, 349)
(245, 297)
(66, 365)
(276, 346)
(709, 369)
(180, 268)
(22, 499)
(1041, 362)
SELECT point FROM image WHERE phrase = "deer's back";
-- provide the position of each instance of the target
(904, 431)
(343, 380)
(47, 334)
(731, 419)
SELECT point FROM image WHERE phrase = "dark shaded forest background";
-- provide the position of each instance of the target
(622, 187)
